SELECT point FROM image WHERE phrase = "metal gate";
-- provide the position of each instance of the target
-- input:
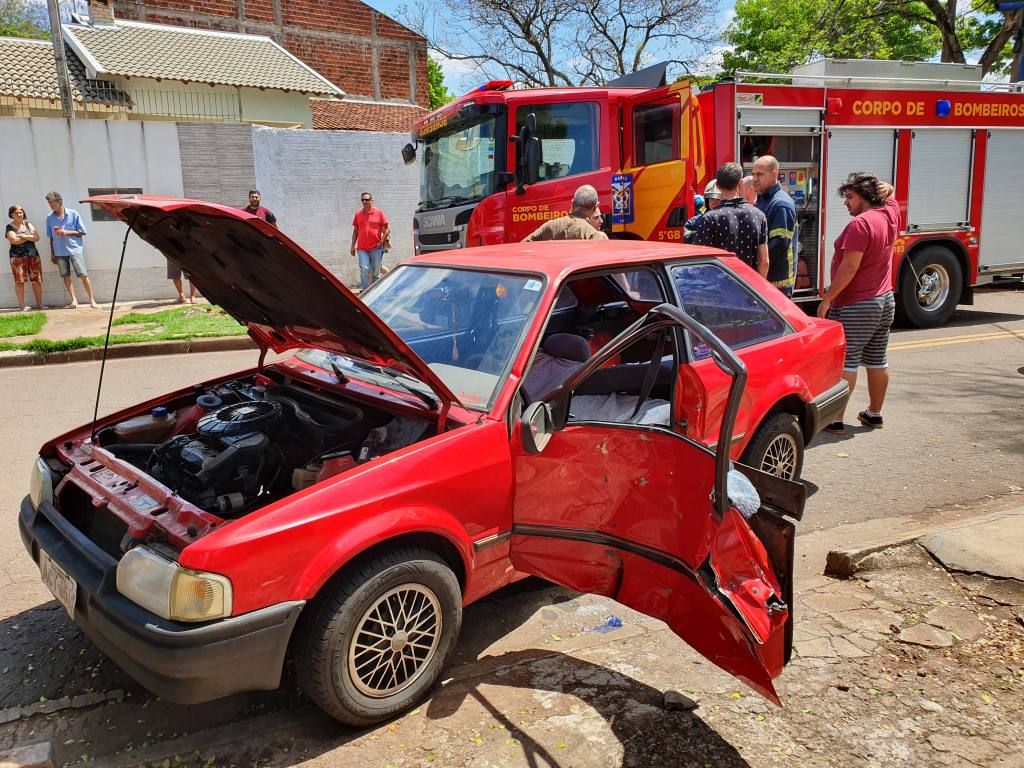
(872, 150)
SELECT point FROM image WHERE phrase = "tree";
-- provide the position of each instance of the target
(777, 35)
(438, 93)
(566, 42)
(19, 18)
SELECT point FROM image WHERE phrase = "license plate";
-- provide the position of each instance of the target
(58, 582)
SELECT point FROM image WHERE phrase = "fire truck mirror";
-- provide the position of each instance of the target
(532, 159)
(409, 154)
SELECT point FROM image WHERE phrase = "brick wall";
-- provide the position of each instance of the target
(362, 51)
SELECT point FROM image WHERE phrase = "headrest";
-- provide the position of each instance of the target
(568, 346)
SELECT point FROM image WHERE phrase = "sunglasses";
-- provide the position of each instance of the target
(366, 200)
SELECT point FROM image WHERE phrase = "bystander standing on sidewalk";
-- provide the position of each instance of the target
(370, 233)
(65, 229)
(777, 205)
(860, 295)
(256, 208)
(174, 274)
(735, 225)
(25, 265)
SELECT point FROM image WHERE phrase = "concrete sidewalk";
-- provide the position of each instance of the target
(66, 323)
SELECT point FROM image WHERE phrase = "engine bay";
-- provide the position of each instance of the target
(243, 443)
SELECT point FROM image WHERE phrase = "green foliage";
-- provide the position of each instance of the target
(438, 92)
(776, 35)
(20, 19)
(27, 324)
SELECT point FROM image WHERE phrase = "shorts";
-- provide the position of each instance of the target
(174, 272)
(26, 269)
(866, 324)
(65, 263)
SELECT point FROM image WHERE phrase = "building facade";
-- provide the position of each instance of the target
(365, 53)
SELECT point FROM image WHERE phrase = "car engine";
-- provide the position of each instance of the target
(246, 444)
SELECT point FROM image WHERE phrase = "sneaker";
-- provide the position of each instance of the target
(865, 418)
(836, 428)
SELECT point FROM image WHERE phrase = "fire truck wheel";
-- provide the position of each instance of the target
(777, 447)
(929, 287)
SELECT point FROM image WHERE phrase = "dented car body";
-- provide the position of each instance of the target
(550, 409)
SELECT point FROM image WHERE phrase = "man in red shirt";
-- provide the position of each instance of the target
(370, 233)
(860, 296)
(256, 208)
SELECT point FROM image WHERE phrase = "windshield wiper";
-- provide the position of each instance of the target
(393, 377)
(342, 378)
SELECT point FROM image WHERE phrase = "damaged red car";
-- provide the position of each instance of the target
(568, 410)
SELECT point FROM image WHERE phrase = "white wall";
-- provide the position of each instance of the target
(69, 157)
(311, 180)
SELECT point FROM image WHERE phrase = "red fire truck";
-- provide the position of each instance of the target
(498, 162)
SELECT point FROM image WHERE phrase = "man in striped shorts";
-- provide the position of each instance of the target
(860, 296)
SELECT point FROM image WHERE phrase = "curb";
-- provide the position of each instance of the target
(142, 349)
(845, 563)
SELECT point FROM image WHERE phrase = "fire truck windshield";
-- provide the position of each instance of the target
(458, 163)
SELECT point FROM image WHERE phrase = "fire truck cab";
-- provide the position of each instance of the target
(498, 162)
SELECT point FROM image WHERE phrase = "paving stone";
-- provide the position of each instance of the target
(994, 548)
(959, 621)
(869, 619)
(829, 602)
(930, 706)
(926, 635)
(847, 649)
(820, 648)
(864, 642)
(974, 748)
(28, 756)
(1004, 592)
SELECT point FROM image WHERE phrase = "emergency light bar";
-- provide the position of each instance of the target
(497, 85)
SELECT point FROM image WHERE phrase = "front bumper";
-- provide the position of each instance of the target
(183, 663)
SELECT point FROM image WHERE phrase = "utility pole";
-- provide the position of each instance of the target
(67, 104)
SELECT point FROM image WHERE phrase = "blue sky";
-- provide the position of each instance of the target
(458, 76)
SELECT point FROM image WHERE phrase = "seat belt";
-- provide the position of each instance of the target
(651, 375)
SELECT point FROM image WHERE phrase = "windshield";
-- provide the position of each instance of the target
(467, 326)
(458, 163)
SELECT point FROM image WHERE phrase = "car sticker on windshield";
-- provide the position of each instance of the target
(532, 285)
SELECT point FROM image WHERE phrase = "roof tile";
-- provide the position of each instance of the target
(364, 116)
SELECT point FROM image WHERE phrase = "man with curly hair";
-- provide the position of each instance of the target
(861, 294)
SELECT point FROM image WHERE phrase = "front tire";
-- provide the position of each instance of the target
(777, 447)
(379, 640)
(930, 287)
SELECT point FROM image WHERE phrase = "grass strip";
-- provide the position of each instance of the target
(21, 324)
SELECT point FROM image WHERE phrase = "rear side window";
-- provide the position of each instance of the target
(716, 298)
(568, 137)
(655, 135)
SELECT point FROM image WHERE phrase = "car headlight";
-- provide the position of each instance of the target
(170, 591)
(40, 487)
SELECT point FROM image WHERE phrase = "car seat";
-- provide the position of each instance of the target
(559, 356)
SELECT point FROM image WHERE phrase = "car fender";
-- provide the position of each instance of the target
(378, 529)
(768, 398)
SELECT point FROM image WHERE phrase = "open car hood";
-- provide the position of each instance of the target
(266, 281)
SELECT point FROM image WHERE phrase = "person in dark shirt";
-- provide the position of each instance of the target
(256, 208)
(778, 207)
(735, 225)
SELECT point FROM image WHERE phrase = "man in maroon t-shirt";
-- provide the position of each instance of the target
(256, 208)
(860, 296)
(370, 233)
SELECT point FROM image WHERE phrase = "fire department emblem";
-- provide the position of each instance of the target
(622, 198)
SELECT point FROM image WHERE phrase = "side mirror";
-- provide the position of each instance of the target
(532, 159)
(536, 427)
(409, 154)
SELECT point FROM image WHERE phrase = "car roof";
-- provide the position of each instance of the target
(558, 258)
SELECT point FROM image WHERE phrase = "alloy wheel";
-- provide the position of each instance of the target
(933, 289)
(780, 457)
(395, 640)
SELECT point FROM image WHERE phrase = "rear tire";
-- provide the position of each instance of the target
(777, 447)
(379, 639)
(932, 301)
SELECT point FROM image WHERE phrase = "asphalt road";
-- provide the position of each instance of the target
(952, 438)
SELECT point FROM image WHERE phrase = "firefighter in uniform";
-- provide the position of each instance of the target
(776, 204)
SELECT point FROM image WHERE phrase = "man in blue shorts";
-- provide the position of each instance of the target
(65, 229)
